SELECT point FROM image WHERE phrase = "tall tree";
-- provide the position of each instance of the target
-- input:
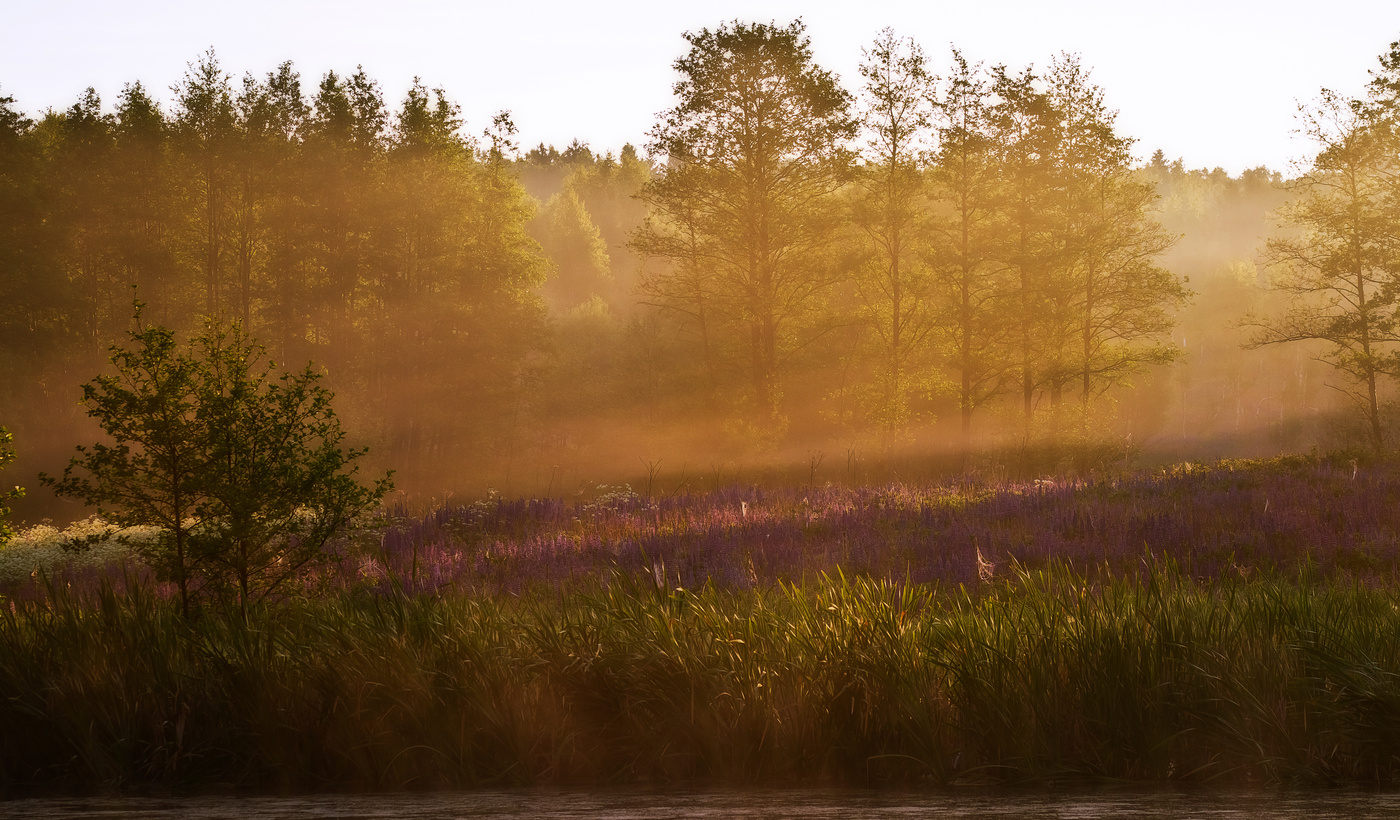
(893, 283)
(1117, 301)
(755, 147)
(607, 189)
(1026, 132)
(1090, 300)
(342, 168)
(31, 291)
(204, 123)
(1383, 90)
(686, 289)
(80, 166)
(1339, 261)
(968, 274)
(573, 243)
(145, 189)
(269, 117)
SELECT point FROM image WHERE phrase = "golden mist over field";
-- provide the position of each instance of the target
(935, 267)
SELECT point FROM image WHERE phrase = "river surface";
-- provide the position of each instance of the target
(711, 805)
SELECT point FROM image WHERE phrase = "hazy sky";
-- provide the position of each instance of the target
(1215, 83)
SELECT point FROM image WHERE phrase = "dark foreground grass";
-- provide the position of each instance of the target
(1044, 676)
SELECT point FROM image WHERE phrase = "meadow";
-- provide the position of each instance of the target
(1231, 622)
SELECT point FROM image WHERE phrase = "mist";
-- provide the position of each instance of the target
(526, 320)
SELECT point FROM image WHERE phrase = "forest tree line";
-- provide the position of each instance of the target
(951, 258)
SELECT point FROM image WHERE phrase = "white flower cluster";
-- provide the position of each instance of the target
(608, 498)
(51, 549)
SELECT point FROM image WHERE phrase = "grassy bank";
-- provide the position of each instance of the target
(1043, 676)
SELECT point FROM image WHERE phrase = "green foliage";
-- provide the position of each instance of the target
(7, 455)
(1088, 298)
(240, 468)
(276, 484)
(380, 242)
(573, 243)
(153, 471)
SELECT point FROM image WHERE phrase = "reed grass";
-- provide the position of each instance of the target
(1047, 675)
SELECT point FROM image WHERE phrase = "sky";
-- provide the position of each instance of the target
(1212, 83)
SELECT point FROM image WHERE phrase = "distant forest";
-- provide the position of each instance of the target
(964, 266)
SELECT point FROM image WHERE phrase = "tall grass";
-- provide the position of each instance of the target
(1046, 675)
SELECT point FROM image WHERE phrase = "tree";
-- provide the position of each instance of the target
(687, 289)
(277, 484)
(1024, 129)
(205, 124)
(1383, 90)
(892, 283)
(1090, 301)
(145, 205)
(153, 472)
(754, 148)
(608, 189)
(1340, 263)
(268, 117)
(571, 240)
(31, 293)
(968, 276)
(341, 170)
(80, 169)
(241, 469)
(1117, 301)
(7, 455)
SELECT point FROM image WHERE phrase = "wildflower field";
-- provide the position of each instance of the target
(1226, 623)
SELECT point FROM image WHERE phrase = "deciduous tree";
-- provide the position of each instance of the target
(969, 275)
(154, 469)
(755, 146)
(1339, 260)
(7, 455)
(239, 465)
(893, 281)
(278, 483)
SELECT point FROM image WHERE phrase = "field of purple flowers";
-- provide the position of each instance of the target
(1226, 518)
(1229, 517)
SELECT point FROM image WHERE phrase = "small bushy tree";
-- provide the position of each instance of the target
(152, 470)
(241, 467)
(277, 484)
(7, 455)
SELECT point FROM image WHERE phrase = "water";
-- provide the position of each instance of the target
(740, 805)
